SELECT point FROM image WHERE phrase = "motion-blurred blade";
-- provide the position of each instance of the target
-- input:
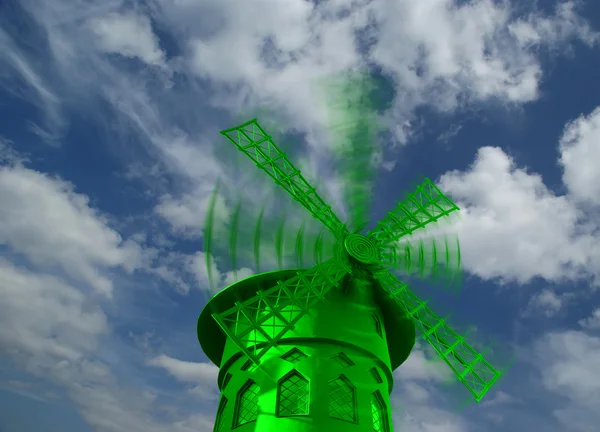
(354, 126)
(437, 259)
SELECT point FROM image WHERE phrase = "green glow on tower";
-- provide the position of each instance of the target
(314, 349)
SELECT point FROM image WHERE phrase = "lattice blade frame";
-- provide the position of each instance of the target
(426, 205)
(258, 324)
(471, 369)
(251, 139)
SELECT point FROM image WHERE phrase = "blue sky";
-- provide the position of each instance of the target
(109, 150)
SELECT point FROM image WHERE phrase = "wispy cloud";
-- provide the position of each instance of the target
(592, 322)
(129, 35)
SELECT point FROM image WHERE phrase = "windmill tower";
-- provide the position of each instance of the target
(314, 349)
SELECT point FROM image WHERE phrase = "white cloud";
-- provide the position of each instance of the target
(415, 399)
(197, 266)
(44, 219)
(513, 227)
(449, 134)
(227, 43)
(54, 333)
(421, 367)
(186, 213)
(8, 155)
(592, 322)
(500, 398)
(203, 376)
(567, 24)
(449, 52)
(187, 371)
(548, 303)
(568, 362)
(419, 418)
(231, 276)
(580, 151)
(53, 330)
(44, 320)
(452, 51)
(129, 35)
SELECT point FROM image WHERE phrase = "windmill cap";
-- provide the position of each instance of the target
(400, 331)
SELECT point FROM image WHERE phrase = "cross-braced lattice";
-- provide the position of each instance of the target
(258, 324)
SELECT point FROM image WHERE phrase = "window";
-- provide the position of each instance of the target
(246, 409)
(343, 359)
(342, 399)
(377, 325)
(379, 413)
(220, 413)
(293, 356)
(376, 375)
(226, 380)
(292, 395)
(246, 365)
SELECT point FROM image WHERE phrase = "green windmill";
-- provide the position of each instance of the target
(314, 349)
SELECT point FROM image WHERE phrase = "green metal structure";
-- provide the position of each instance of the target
(314, 349)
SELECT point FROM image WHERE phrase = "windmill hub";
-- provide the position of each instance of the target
(361, 248)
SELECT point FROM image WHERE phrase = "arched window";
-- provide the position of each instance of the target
(293, 356)
(292, 395)
(377, 324)
(226, 380)
(342, 399)
(379, 413)
(220, 414)
(246, 407)
(376, 375)
(246, 365)
(342, 359)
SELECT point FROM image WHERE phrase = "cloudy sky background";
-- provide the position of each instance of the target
(109, 150)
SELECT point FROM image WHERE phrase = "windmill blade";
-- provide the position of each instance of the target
(422, 207)
(354, 126)
(258, 324)
(471, 369)
(255, 143)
